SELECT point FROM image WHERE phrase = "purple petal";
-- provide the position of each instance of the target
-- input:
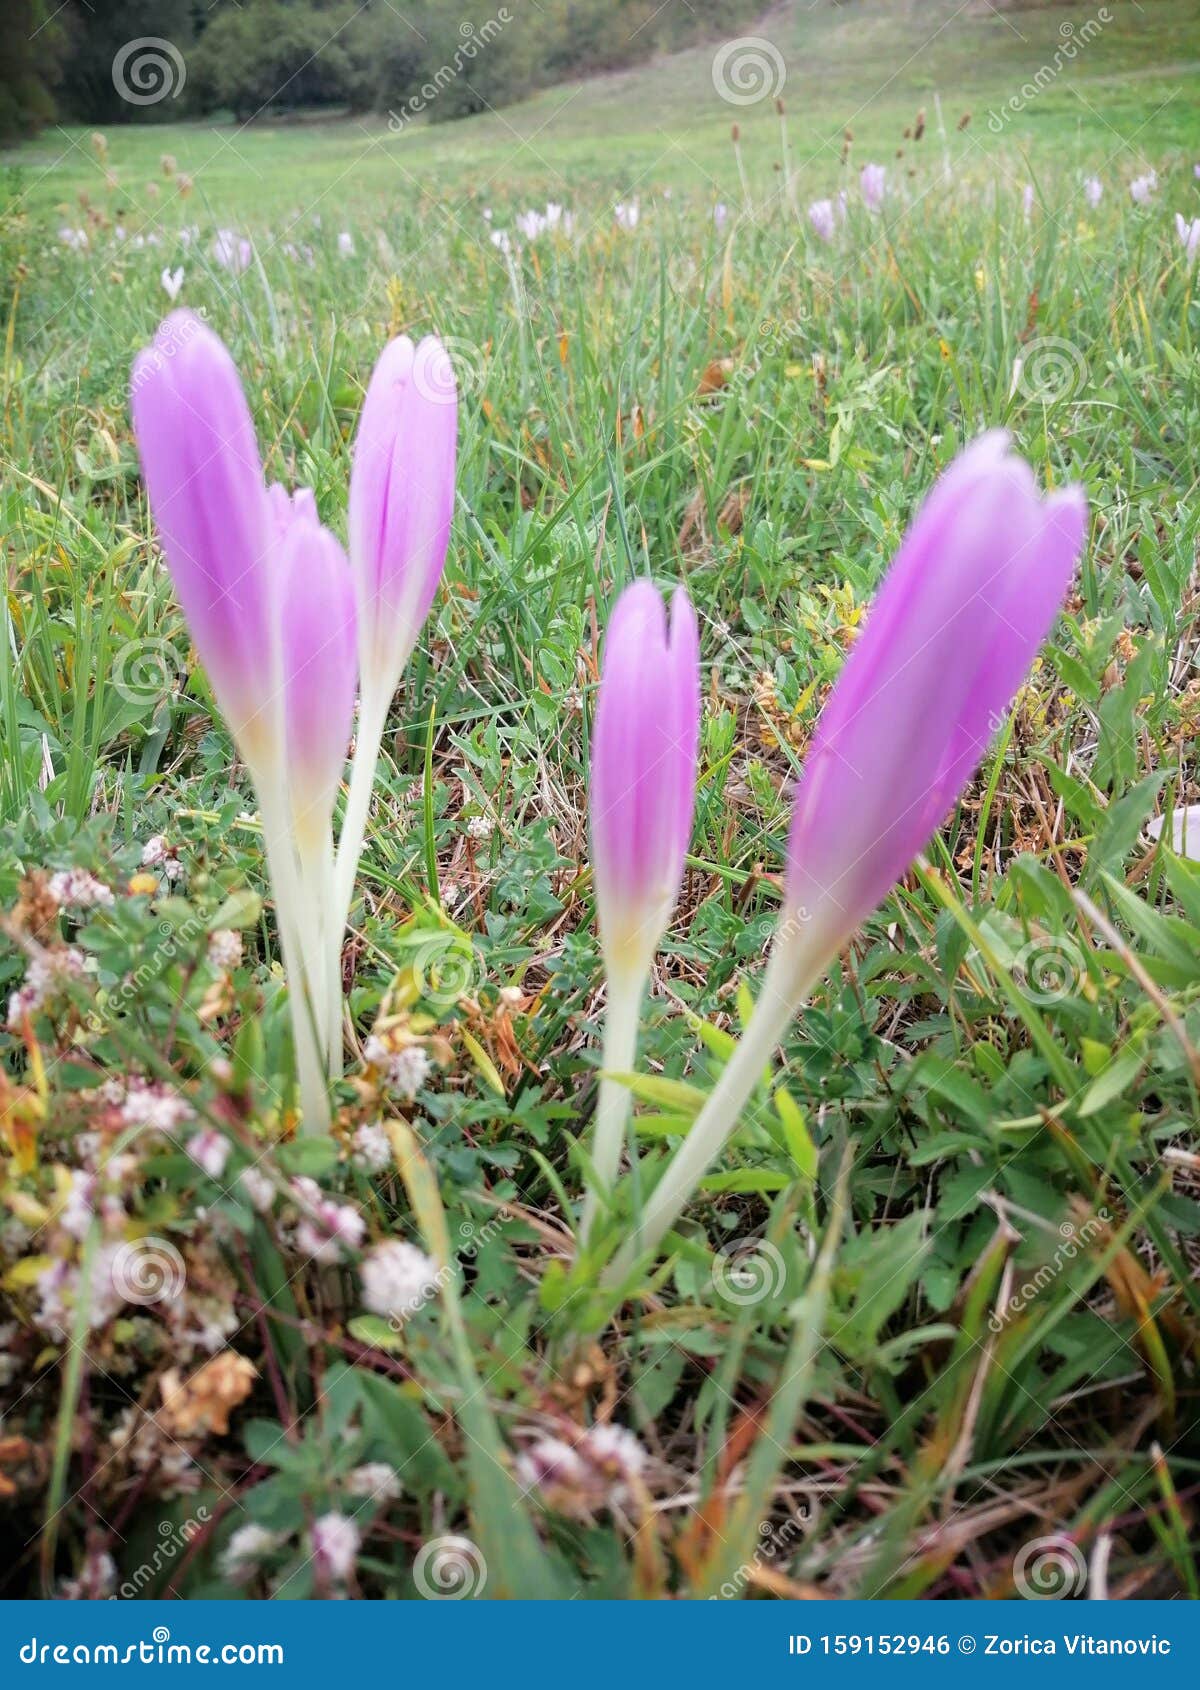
(204, 478)
(953, 630)
(643, 774)
(401, 499)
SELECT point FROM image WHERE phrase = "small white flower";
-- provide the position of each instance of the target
(245, 1549)
(376, 1479)
(224, 948)
(209, 1150)
(372, 1150)
(480, 827)
(172, 281)
(397, 1278)
(259, 1188)
(335, 1541)
(154, 851)
(76, 888)
(155, 1107)
(408, 1070)
(345, 243)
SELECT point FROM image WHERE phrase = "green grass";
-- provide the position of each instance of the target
(974, 1325)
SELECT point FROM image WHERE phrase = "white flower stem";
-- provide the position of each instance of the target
(298, 959)
(372, 716)
(788, 975)
(619, 1053)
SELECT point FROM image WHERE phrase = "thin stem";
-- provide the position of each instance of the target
(785, 981)
(618, 1056)
(372, 716)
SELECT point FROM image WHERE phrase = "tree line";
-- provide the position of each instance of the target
(255, 58)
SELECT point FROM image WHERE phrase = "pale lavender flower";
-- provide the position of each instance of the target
(1093, 191)
(172, 282)
(1189, 235)
(822, 217)
(345, 244)
(872, 182)
(232, 252)
(209, 1150)
(1142, 187)
(627, 214)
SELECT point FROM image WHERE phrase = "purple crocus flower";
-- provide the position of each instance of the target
(401, 500)
(1142, 187)
(823, 218)
(952, 632)
(1093, 191)
(643, 790)
(643, 779)
(318, 661)
(972, 593)
(1189, 235)
(204, 477)
(872, 181)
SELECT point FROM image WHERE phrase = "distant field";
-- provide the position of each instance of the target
(1118, 93)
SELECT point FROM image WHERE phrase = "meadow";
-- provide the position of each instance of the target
(929, 1329)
